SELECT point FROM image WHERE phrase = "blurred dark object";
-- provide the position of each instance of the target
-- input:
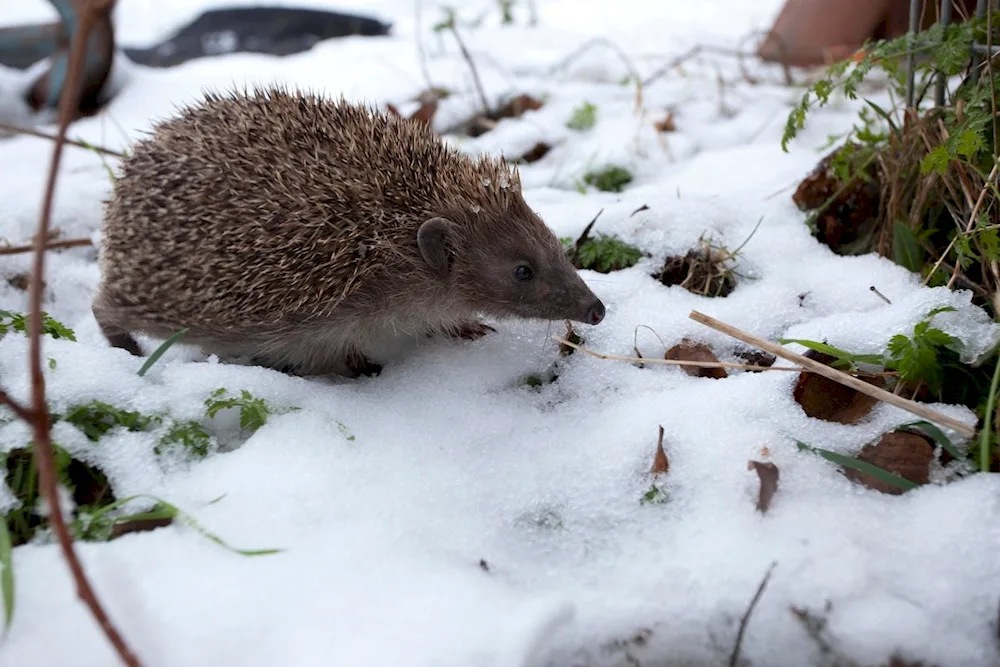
(23, 46)
(820, 32)
(277, 31)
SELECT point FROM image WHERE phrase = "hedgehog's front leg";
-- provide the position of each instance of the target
(471, 330)
(116, 335)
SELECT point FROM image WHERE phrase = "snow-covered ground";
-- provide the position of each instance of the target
(454, 461)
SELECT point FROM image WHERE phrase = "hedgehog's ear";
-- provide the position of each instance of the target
(433, 241)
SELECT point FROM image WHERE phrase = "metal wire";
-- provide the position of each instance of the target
(977, 49)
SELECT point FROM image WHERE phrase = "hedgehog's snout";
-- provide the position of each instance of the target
(595, 314)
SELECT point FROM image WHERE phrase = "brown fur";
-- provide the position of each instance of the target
(285, 226)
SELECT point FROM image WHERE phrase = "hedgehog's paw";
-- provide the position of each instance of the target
(358, 364)
(471, 330)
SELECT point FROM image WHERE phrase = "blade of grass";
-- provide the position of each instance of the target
(7, 574)
(172, 511)
(936, 434)
(158, 352)
(984, 436)
(833, 351)
(861, 466)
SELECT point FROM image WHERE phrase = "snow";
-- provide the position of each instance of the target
(453, 461)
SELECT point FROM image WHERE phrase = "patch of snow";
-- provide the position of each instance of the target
(453, 461)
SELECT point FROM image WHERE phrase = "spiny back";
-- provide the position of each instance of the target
(271, 204)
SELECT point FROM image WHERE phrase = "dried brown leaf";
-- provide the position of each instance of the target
(823, 398)
(537, 152)
(667, 124)
(688, 350)
(905, 453)
(425, 114)
(768, 475)
(660, 462)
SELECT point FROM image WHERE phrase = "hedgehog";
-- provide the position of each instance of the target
(313, 235)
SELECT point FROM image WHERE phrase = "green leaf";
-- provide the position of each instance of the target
(834, 351)
(6, 574)
(583, 118)
(906, 250)
(862, 466)
(158, 352)
(936, 160)
(884, 115)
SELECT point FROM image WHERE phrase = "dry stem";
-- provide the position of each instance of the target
(674, 362)
(42, 445)
(51, 245)
(734, 658)
(72, 142)
(835, 375)
(472, 65)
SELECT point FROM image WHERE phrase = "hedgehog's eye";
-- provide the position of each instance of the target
(522, 272)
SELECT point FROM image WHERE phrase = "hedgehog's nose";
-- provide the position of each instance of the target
(596, 313)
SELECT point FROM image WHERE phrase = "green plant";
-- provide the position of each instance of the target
(603, 253)
(506, 11)
(189, 435)
(96, 418)
(253, 411)
(609, 179)
(583, 118)
(18, 322)
(917, 358)
(924, 224)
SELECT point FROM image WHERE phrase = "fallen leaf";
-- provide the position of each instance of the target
(537, 152)
(571, 336)
(660, 462)
(905, 453)
(826, 399)
(667, 124)
(516, 106)
(755, 357)
(20, 281)
(688, 350)
(768, 475)
(425, 114)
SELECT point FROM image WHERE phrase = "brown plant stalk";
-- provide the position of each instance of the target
(37, 414)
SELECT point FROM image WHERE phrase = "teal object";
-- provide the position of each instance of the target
(23, 46)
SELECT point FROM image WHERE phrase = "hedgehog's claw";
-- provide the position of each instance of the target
(471, 330)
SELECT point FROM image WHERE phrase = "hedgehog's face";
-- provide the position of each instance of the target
(511, 274)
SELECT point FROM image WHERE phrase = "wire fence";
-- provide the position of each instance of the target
(945, 15)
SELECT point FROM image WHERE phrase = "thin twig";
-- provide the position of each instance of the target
(968, 226)
(17, 129)
(679, 60)
(44, 459)
(472, 65)
(735, 656)
(674, 362)
(835, 375)
(51, 245)
(18, 409)
(421, 52)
